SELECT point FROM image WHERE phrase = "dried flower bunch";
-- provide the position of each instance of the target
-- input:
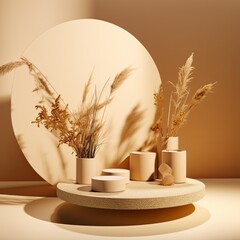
(81, 130)
(179, 105)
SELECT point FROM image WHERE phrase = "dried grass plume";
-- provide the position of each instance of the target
(179, 104)
(82, 130)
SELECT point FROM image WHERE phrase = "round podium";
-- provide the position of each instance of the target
(138, 195)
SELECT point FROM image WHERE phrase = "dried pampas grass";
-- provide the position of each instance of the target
(179, 105)
(81, 130)
(120, 78)
(158, 102)
(6, 68)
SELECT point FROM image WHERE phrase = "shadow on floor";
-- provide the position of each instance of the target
(44, 190)
(76, 215)
(104, 222)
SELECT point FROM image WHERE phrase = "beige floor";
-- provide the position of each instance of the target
(34, 213)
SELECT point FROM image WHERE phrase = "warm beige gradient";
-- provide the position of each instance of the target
(170, 30)
(67, 55)
(21, 22)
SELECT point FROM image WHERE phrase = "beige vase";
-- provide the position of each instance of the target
(142, 166)
(165, 143)
(177, 160)
(85, 170)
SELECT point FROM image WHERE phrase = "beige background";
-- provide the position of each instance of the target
(170, 30)
(67, 54)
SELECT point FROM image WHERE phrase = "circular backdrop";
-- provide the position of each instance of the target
(67, 55)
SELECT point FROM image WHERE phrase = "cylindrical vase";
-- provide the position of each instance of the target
(165, 143)
(142, 166)
(85, 170)
(177, 160)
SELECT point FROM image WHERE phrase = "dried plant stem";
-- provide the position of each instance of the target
(181, 91)
(42, 81)
(87, 89)
(120, 78)
(82, 130)
(183, 113)
(117, 82)
(179, 106)
(169, 112)
(158, 118)
(6, 68)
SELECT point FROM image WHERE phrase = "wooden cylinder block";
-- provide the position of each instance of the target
(117, 172)
(108, 184)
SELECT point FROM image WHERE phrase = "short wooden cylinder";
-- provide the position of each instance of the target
(108, 184)
(142, 166)
(177, 159)
(117, 172)
(85, 170)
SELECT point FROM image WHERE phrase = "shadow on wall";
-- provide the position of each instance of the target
(11, 168)
(127, 139)
(16, 19)
(171, 31)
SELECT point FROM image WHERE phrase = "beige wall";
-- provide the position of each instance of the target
(170, 30)
(20, 23)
